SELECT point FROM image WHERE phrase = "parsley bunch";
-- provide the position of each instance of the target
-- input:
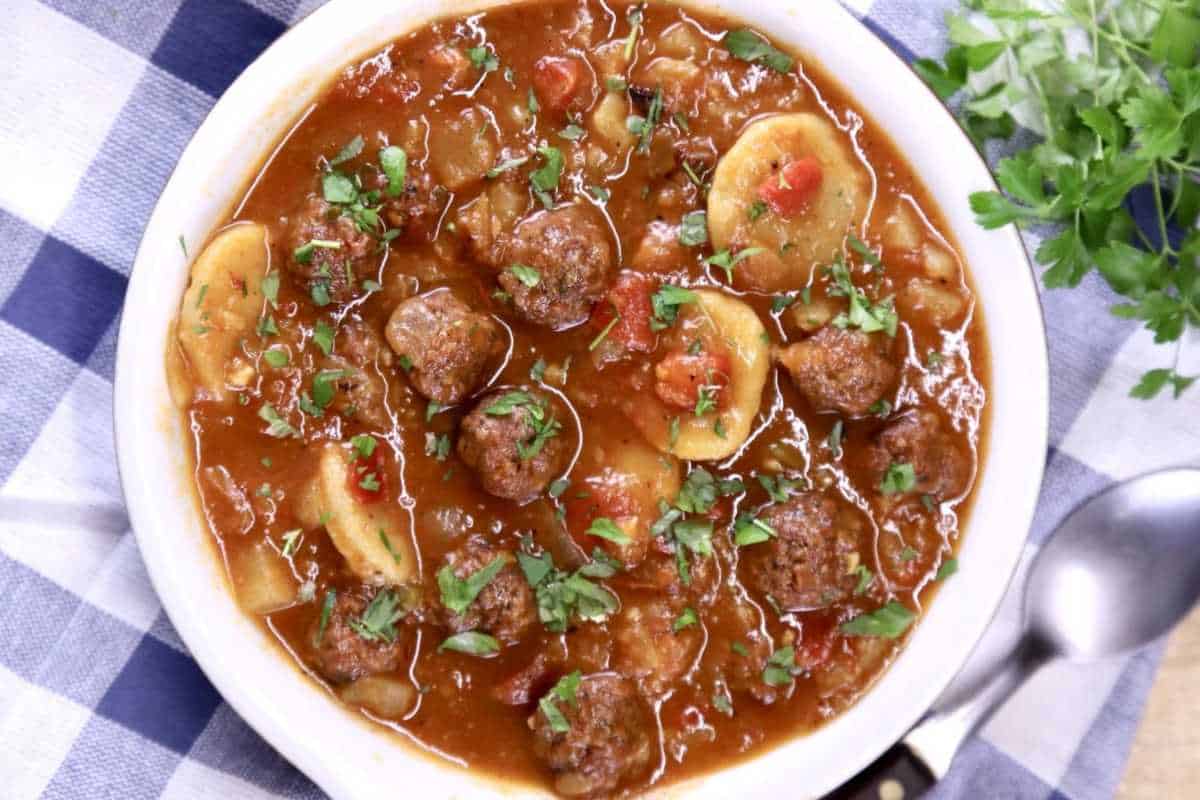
(1111, 90)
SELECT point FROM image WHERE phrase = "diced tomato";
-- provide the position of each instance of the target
(680, 377)
(367, 481)
(557, 80)
(789, 191)
(630, 298)
(600, 498)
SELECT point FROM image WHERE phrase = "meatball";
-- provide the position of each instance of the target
(805, 564)
(609, 740)
(415, 211)
(941, 466)
(450, 347)
(512, 440)
(649, 649)
(840, 370)
(337, 270)
(505, 608)
(341, 654)
(360, 360)
(569, 250)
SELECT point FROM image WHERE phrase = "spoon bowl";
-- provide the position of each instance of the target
(1121, 570)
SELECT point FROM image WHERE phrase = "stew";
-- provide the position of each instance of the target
(590, 391)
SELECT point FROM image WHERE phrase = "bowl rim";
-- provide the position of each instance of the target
(129, 385)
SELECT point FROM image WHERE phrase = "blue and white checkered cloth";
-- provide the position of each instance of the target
(98, 697)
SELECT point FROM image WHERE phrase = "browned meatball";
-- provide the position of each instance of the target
(415, 211)
(450, 348)
(608, 741)
(337, 271)
(804, 565)
(513, 440)
(840, 370)
(361, 359)
(505, 608)
(649, 649)
(569, 250)
(342, 654)
(941, 466)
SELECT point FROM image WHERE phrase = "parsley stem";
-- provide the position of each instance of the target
(1158, 206)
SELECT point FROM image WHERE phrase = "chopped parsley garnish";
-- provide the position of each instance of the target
(880, 408)
(865, 579)
(572, 133)
(672, 433)
(780, 488)
(706, 400)
(326, 612)
(898, 478)
(364, 445)
(781, 667)
(537, 415)
(562, 596)
(564, 692)
(277, 426)
(756, 210)
(635, 29)
(369, 482)
(472, 643)
(276, 357)
(558, 486)
(748, 530)
(387, 545)
(614, 83)
(337, 188)
(934, 359)
(739, 649)
(437, 445)
(324, 387)
(378, 621)
(665, 304)
(888, 622)
(600, 337)
(907, 554)
(600, 193)
(644, 128)
(948, 568)
(483, 58)
(750, 46)
(323, 337)
(834, 441)
(405, 363)
(349, 151)
(394, 162)
(686, 619)
(459, 593)
(861, 247)
(867, 317)
(722, 703)
(538, 370)
(727, 261)
(545, 178)
(505, 166)
(526, 274)
(781, 302)
(693, 230)
(320, 294)
(269, 288)
(605, 528)
(532, 102)
(291, 542)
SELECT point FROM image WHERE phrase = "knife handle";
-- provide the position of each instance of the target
(896, 775)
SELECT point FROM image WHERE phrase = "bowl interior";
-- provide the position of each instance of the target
(354, 758)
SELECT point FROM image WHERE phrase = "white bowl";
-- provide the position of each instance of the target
(352, 758)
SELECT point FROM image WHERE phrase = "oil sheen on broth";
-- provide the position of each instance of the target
(588, 391)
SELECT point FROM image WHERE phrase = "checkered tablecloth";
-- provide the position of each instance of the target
(98, 697)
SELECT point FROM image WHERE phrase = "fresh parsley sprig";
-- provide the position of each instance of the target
(1111, 88)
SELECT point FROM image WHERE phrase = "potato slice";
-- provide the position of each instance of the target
(792, 247)
(262, 579)
(736, 324)
(609, 123)
(382, 695)
(222, 304)
(354, 526)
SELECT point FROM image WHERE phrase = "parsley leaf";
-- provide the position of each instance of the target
(888, 622)
(564, 692)
(898, 478)
(526, 274)
(750, 46)
(605, 528)
(472, 643)
(545, 178)
(665, 304)
(378, 620)
(693, 230)
(459, 593)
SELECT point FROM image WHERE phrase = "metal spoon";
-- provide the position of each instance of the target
(1117, 574)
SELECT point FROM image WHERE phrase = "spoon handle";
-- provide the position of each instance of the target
(897, 769)
(938, 737)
